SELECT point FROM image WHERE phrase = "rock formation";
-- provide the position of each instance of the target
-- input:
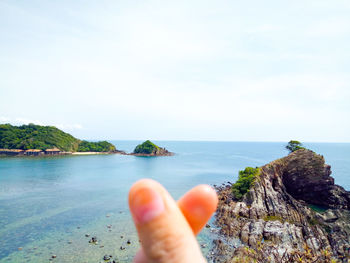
(148, 148)
(274, 222)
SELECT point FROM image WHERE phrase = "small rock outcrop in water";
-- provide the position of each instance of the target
(93, 240)
(148, 148)
(274, 223)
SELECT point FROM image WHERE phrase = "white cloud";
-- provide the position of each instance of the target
(331, 27)
(4, 119)
(20, 121)
(189, 64)
(25, 121)
(69, 126)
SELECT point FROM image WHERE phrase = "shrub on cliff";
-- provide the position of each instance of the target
(244, 182)
(292, 146)
(147, 147)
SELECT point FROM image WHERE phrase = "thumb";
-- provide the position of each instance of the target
(164, 232)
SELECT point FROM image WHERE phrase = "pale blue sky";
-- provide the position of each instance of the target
(178, 70)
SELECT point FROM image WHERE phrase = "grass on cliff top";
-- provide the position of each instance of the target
(244, 182)
(146, 147)
(273, 218)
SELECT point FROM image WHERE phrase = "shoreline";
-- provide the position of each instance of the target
(150, 155)
(91, 153)
(43, 154)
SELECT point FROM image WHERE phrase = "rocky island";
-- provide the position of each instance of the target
(289, 210)
(148, 148)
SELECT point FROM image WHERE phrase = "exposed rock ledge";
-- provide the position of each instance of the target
(148, 148)
(274, 223)
(159, 152)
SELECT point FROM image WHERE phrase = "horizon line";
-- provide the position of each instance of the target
(246, 141)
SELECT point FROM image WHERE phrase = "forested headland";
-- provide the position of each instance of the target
(33, 136)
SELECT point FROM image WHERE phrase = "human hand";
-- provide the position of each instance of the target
(167, 229)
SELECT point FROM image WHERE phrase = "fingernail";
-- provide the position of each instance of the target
(146, 204)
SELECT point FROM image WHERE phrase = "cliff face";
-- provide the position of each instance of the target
(274, 223)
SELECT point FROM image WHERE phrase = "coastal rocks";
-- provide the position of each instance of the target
(274, 222)
(107, 257)
(119, 152)
(158, 152)
(93, 240)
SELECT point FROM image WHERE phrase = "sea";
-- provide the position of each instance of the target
(50, 207)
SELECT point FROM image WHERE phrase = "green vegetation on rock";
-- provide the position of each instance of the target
(293, 146)
(146, 147)
(102, 146)
(46, 137)
(244, 182)
(273, 218)
(313, 221)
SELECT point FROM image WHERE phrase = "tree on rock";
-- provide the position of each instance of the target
(292, 146)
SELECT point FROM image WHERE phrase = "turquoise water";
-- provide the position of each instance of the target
(48, 204)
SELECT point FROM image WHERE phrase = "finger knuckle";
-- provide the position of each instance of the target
(167, 247)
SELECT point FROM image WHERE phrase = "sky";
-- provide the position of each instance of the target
(178, 70)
